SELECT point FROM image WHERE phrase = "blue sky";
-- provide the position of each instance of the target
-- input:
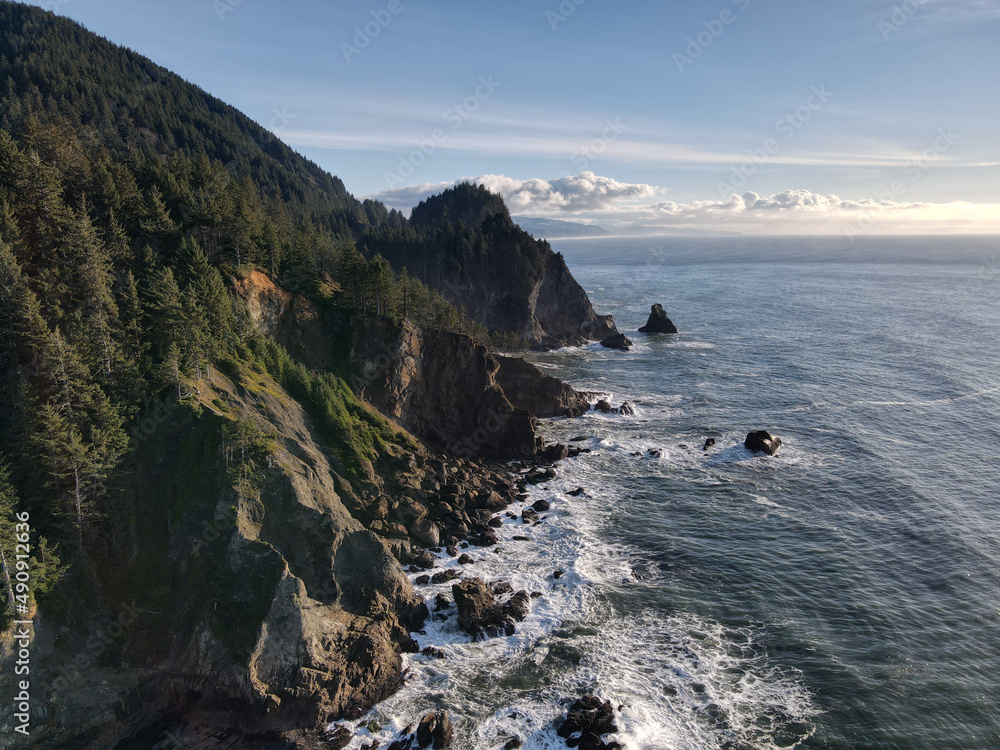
(750, 115)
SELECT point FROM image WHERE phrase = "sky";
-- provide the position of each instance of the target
(758, 116)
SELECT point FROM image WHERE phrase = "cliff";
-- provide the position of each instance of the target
(265, 595)
(464, 244)
(443, 387)
(257, 595)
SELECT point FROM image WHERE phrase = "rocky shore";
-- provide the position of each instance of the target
(279, 599)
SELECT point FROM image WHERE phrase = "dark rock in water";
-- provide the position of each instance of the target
(501, 587)
(604, 407)
(590, 718)
(762, 441)
(424, 560)
(496, 522)
(708, 444)
(578, 439)
(626, 409)
(658, 321)
(421, 580)
(479, 613)
(483, 538)
(339, 738)
(540, 475)
(441, 603)
(529, 515)
(558, 574)
(432, 651)
(541, 505)
(617, 341)
(444, 576)
(555, 452)
(435, 730)
(518, 538)
(654, 452)
(578, 492)
(465, 560)
(519, 605)
(513, 743)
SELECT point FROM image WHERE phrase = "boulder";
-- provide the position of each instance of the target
(435, 730)
(762, 441)
(617, 341)
(590, 718)
(481, 615)
(537, 476)
(578, 492)
(627, 409)
(426, 532)
(658, 321)
(555, 452)
(604, 407)
(708, 444)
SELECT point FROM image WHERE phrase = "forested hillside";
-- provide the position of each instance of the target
(129, 202)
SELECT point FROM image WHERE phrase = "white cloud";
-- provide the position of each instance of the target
(582, 192)
(626, 207)
(785, 201)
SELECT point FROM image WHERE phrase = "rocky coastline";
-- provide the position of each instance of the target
(293, 607)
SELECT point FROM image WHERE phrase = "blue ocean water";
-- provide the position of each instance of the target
(845, 594)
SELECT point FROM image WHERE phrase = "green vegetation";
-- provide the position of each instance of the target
(129, 201)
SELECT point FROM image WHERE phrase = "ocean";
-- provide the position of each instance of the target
(844, 594)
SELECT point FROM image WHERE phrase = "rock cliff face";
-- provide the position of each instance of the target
(562, 312)
(464, 243)
(542, 395)
(442, 387)
(548, 312)
(265, 598)
(269, 596)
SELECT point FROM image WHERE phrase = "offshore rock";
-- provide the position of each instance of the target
(434, 730)
(658, 321)
(591, 719)
(762, 441)
(481, 615)
(617, 341)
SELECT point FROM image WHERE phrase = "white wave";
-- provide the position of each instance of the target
(682, 682)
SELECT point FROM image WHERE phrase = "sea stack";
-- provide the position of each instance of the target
(658, 321)
(761, 441)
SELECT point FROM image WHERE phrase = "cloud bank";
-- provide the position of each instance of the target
(626, 207)
(582, 192)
